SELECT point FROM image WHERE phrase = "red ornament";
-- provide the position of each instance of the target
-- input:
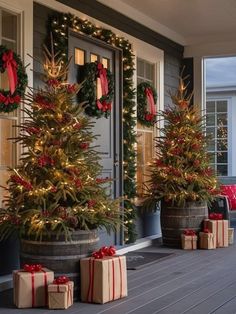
(196, 163)
(43, 103)
(91, 203)
(45, 160)
(77, 125)
(53, 83)
(183, 104)
(33, 130)
(27, 185)
(71, 88)
(78, 183)
(84, 145)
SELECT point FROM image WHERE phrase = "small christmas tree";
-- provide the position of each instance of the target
(181, 171)
(56, 187)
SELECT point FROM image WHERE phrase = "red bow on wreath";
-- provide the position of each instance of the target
(189, 232)
(11, 66)
(104, 251)
(31, 268)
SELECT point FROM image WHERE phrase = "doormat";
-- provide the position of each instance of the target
(137, 260)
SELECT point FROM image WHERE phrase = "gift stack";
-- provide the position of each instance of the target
(219, 227)
(103, 277)
(189, 240)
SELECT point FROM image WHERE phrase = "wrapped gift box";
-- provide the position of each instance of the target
(30, 287)
(206, 241)
(220, 230)
(189, 242)
(103, 279)
(231, 235)
(60, 295)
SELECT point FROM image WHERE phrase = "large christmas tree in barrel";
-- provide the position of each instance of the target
(57, 187)
(181, 176)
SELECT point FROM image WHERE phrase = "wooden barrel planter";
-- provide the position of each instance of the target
(59, 255)
(174, 220)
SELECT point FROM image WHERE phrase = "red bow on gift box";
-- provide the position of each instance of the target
(104, 251)
(189, 232)
(216, 216)
(32, 267)
(61, 280)
(206, 230)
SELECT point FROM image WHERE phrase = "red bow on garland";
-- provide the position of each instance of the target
(11, 66)
(61, 280)
(32, 268)
(216, 216)
(104, 251)
(189, 232)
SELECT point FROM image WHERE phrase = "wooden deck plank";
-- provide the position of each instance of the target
(213, 302)
(187, 289)
(227, 307)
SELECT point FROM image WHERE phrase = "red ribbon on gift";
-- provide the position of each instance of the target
(32, 268)
(102, 73)
(90, 293)
(63, 280)
(104, 251)
(189, 232)
(215, 216)
(150, 101)
(11, 66)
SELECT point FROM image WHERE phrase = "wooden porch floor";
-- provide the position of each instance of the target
(189, 282)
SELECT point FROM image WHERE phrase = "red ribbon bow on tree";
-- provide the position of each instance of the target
(32, 268)
(11, 66)
(216, 216)
(61, 280)
(189, 232)
(104, 251)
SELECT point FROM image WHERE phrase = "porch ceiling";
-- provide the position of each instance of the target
(187, 22)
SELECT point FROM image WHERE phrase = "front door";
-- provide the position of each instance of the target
(84, 49)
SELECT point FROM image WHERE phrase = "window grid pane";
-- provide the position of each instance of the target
(217, 129)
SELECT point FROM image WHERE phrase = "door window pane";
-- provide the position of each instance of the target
(9, 25)
(105, 63)
(79, 56)
(6, 145)
(93, 58)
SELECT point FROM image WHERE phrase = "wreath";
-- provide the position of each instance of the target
(17, 78)
(146, 99)
(97, 89)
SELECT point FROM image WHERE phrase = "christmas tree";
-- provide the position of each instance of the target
(56, 187)
(181, 171)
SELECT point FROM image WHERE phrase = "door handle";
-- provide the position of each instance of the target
(116, 163)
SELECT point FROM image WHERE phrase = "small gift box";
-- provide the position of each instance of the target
(60, 293)
(30, 286)
(231, 235)
(219, 228)
(189, 240)
(206, 240)
(103, 277)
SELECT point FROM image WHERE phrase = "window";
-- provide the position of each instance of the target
(9, 36)
(217, 128)
(145, 136)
